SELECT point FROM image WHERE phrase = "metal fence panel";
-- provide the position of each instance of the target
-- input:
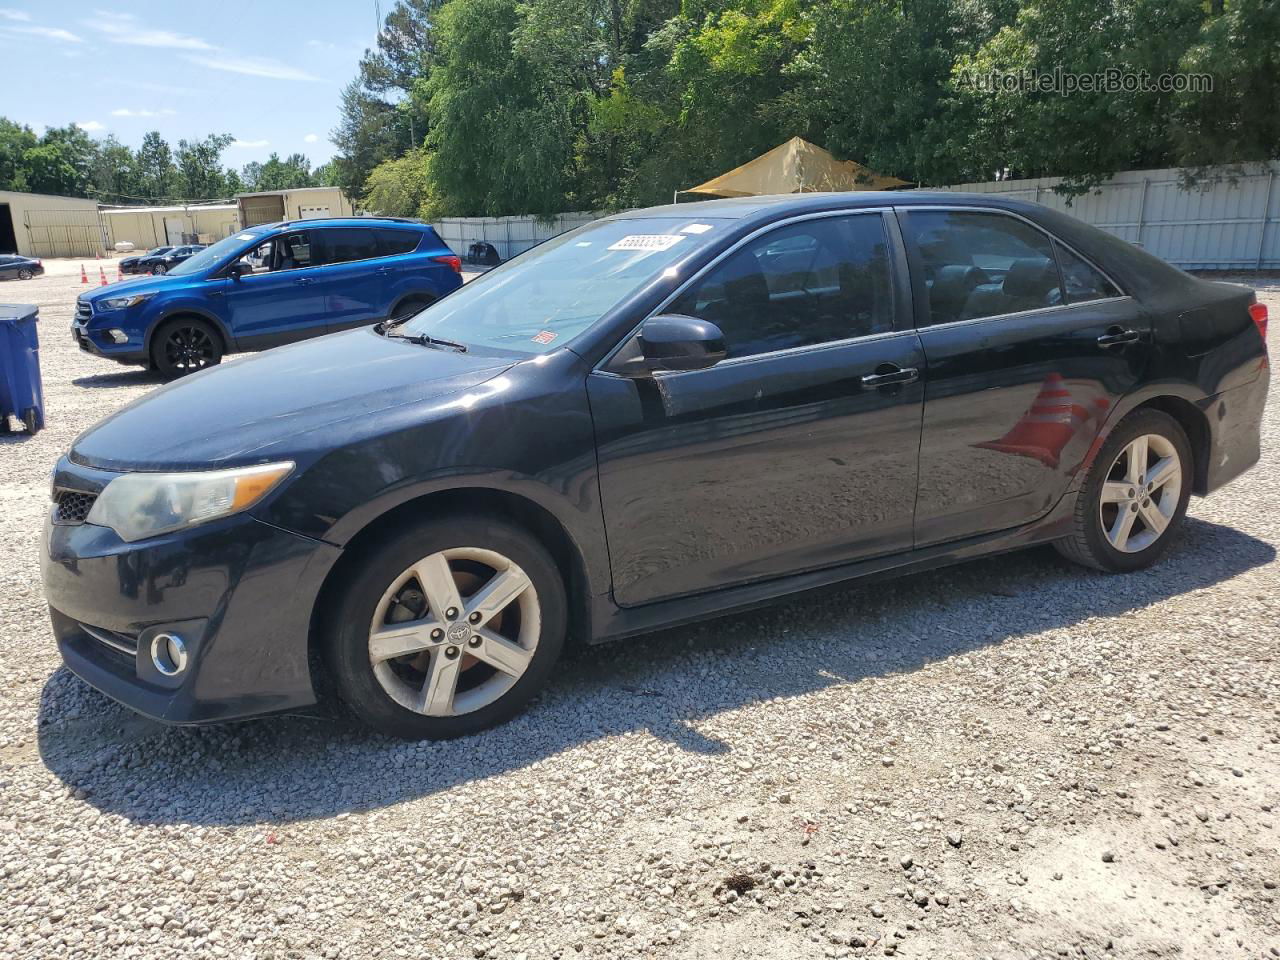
(65, 233)
(1230, 221)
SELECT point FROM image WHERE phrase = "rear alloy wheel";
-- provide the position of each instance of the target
(454, 640)
(25, 274)
(159, 270)
(185, 346)
(1134, 497)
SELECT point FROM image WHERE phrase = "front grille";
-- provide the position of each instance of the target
(119, 642)
(83, 310)
(72, 506)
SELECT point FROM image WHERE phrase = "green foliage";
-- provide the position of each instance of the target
(398, 188)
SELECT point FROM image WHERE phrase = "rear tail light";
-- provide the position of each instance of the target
(1258, 311)
(455, 263)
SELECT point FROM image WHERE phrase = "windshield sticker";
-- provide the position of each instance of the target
(245, 236)
(647, 241)
(696, 228)
(583, 243)
(544, 336)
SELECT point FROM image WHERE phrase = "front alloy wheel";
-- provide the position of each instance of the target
(184, 346)
(445, 627)
(454, 632)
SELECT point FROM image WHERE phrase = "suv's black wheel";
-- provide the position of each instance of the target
(1134, 497)
(445, 628)
(183, 346)
(25, 274)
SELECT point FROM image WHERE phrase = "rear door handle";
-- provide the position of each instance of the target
(888, 374)
(383, 271)
(1118, 336)
(302, 280)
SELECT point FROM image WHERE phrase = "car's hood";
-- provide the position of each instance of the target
(293, 402)
(145, 284)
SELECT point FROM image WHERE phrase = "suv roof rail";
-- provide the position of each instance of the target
(293, 223)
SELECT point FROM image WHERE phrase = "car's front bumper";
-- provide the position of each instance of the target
(239, 593)
(96, 342)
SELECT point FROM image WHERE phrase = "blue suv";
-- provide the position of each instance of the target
(265, 286)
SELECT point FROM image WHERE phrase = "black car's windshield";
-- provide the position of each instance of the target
(156, 251)
(211, 256)
(545, 297)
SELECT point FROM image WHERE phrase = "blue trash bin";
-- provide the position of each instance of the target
(21, 395)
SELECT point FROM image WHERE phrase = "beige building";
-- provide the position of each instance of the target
(147, 227)
(40, 225)
(304, 203)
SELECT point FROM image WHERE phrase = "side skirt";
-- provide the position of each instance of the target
(614, 623)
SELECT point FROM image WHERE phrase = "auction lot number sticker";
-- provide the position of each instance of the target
(647, 241)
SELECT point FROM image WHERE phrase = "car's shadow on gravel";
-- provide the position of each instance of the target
(291, 768)
(140, 377)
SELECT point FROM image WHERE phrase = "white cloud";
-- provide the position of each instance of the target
(311, 138)
(126, 112)
(144, 37)
(250, 144)
(253, 67)
(91, 126)
(53, 33)
(322, 45)
(7, 14)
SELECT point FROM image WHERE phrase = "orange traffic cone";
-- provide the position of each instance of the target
(84, 277)
(102, 277)
(1044, 430)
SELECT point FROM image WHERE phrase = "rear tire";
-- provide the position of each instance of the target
(1135, 495)
(445, 628)
(185, 345)
(409, 307)
(25, 274)
(159, 270)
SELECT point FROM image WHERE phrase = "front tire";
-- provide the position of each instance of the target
(445, 628)
(159, 270)
(1135, 496)
(183, 346)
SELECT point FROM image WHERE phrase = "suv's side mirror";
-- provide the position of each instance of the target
(238, 269)
(673, 342)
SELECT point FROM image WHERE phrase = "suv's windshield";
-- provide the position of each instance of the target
(211, 256)
(545, 297)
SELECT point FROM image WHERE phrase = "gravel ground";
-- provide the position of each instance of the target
(1013, 758)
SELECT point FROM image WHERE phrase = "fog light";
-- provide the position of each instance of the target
(119, 336)
(168, 653)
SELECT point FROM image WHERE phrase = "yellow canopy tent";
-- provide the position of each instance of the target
(796, 166)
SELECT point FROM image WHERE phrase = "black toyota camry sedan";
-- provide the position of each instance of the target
(661, 416)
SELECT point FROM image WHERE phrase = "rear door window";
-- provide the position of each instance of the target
(394, 242)
(1082, 281)
(982, 264)
(346, 244)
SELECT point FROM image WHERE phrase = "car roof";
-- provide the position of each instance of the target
(772, 206)
(344, 222)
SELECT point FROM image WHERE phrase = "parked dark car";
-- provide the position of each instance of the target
(161, 263)
(659, 417)
(265, 286)
(132, 264)
(15, 267)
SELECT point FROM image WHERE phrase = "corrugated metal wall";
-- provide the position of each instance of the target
(1228, 222)
(509, 235)
(64, 233)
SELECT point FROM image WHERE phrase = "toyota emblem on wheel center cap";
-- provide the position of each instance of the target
(458, 632)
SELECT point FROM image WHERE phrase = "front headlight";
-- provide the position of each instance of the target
(141, 505)
(120, 303)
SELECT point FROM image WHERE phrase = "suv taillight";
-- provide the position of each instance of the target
(453, 263)
(1258, 311)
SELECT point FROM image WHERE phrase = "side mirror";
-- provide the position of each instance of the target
(238, 269)
(672, 342)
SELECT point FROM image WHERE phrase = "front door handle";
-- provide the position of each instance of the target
(302, 280)
(888, 374)
(1117, 337)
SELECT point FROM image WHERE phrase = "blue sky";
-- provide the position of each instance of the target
(268, 72)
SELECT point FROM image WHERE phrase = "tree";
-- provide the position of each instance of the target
(114, 173)
(398, 188)
(277, 174)
(15, 141)
(155, 167)
(199, 168)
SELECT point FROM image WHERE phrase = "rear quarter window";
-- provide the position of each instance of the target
(392, 242)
